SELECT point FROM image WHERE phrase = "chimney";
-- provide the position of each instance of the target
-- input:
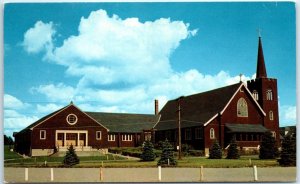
(156, 107)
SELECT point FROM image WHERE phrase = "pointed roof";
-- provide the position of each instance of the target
(261, 71)
(200, 109)
(197, 109)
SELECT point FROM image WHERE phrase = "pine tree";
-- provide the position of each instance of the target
(148, 152)
(288, 152)
(268, 149)
(71, 157)
(215, 151)
(167, 155)
(233, 151)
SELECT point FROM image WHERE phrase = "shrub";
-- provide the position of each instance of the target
(197, 153)
(215, 151)
(288, 153)
(71, 157)
(148, 152)
(233, 152)
(167, 155)
(268, 149)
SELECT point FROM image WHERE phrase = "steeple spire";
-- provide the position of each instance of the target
(261, 68)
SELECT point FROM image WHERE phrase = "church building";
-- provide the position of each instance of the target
(242, 111)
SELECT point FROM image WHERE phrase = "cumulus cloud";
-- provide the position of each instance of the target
(48, 108)
(287, 115)
(39, 37)
(11, 102)
(58, 92)
(109, 49)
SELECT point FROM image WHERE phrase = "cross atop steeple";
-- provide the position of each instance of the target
(261, 68)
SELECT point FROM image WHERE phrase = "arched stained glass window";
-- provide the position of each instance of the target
(242, 108)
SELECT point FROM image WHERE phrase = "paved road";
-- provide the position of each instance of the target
(275, 174)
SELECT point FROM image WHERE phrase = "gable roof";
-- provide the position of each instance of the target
(199, 109)
(127, 123)
(42, 119)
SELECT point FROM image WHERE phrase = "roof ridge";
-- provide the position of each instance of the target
(113, 113)
(209, 91)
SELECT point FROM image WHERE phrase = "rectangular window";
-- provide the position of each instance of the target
(111, 137)
(199, 133)
(42, 134)
(127, 137)
(188, 134)
(98, 135)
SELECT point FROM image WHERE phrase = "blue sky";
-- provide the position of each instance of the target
(119, 57)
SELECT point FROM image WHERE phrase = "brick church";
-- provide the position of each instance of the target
(243, 111)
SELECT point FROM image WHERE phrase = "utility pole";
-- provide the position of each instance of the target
(179, 128)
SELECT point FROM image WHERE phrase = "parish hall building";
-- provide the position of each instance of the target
(243, 111)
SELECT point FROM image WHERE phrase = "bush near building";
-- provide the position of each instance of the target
(148, 151)
(268, 148)
(167, 158)
(288, 152)
(233, 151)
(215, 151)
(71, 157)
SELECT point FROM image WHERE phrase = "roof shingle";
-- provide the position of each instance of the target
(196, 109)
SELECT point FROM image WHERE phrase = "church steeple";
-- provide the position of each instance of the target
(261, 68)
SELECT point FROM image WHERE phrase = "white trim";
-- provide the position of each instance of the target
(126, 137)
(157, 121)
(63, 110)
(49, 117)
(210, 120)
(98, 138)
(111, 137)
(67, 119)
(71, 131)
(255, 102)
(242, 84)
(91, 117)
(43, 138)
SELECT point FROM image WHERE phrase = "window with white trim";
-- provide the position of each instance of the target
(72, 119)
(98, 135)
(43, 134)
(242, 108)
(188, 134)
(269, 94)
(111, 137)
(126, 137)
(271, 115)
(199, 133)
(212, 133)
(255, 95)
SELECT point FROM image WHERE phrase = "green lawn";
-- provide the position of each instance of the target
(10, 154)
(122, 162)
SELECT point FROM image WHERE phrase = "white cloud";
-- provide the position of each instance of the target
(14, 121)
(11, 102)
(110, 49)
(48, 108)
(59, 92)
(39, 37)
(287, 115)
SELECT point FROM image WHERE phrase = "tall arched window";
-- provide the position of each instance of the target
(269, 94)
(271, 115)
(255, 95)
(242, 108)
(212, 133)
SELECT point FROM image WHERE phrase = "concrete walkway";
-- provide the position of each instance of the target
(274, 174)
